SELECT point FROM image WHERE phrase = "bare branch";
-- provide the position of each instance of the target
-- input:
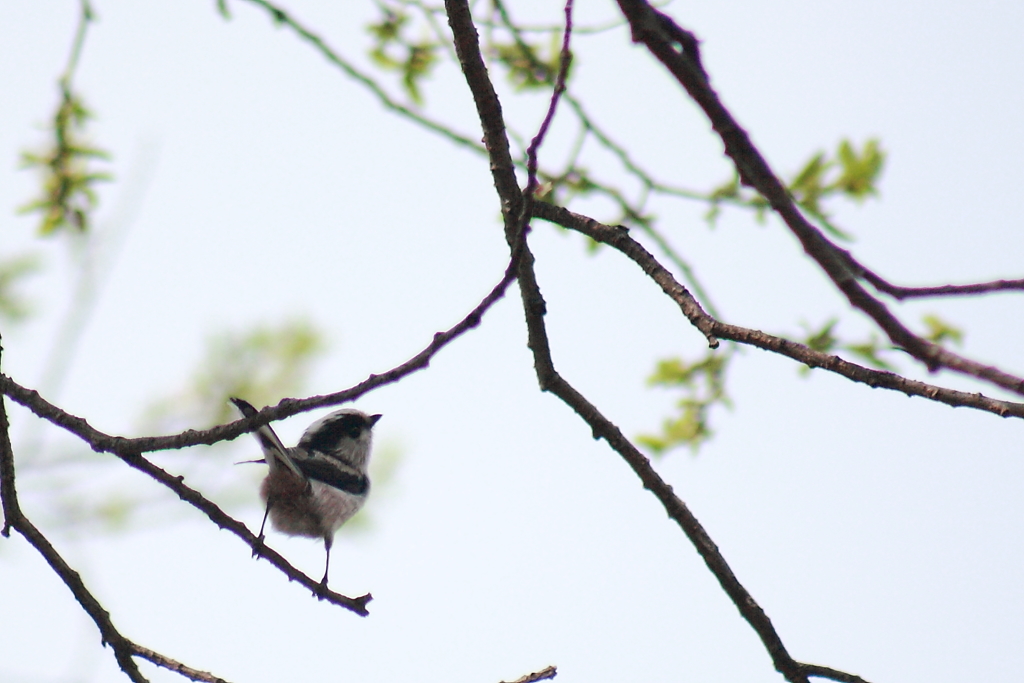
(175, 666)
(489, 110)
(123, 446)
(833, 674)
(544, 674)
(130, 450)
(134, 459)
(902, 293)
(678, 49)
(619, 239)
(15, 519)
(565, 59)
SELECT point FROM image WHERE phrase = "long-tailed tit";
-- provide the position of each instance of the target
(314, 488)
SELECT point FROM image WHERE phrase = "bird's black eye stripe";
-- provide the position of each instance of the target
(326, 438)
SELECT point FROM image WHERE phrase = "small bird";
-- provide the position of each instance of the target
(314, 488)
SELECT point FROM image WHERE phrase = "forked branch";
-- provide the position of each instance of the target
(511, 198)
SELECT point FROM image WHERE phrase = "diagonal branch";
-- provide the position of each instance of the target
(130, 450)
(712, 328)
(172, 665)
(124, 649)
(134, 459)
(489, 110)
(902, 293)
(678, 49)
(545, 674)
(281, 17)
(122, 446)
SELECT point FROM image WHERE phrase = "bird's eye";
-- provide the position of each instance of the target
(327, 437)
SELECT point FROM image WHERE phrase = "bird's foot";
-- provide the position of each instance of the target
(257, 547)
(320, 592)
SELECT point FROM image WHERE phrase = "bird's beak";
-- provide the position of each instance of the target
(374, 418)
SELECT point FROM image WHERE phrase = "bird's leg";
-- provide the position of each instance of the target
(258, 545)
(322, 588)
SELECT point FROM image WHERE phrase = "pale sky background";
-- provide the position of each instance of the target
(883, 535)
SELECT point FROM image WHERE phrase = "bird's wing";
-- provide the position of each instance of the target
(333, 474)
(274, 451)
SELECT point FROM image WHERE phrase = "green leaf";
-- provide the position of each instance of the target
(939, 330)
(868, 351)
(859, 172)
(527, 70)
(68, 180)
(823, 340)
(394, 51)
(702, 385)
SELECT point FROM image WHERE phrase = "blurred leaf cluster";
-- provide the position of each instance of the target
(703, 386)
(261, 365)
(848, 173)
(394, 50)
(824, 340)
(526, 68)
(68, 195)
(939, 331)
(13, 306)
(870, 351)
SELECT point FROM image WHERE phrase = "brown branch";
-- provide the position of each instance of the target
(826, 672)
(177, 667)
(122, 446)
(678, 49)
(619, 239)
(902, 293)
(565, 59)
(489, 110)
(134, 459)
(14, 518)
(130, 450)
(544, 674)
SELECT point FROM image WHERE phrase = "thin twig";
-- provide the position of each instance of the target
(901, 293)
(282, 17)
(489, 110)
(175, 666)
(619, 239)
(84, 18)
(826, 672)
(679, 50)
(14, 518)
(130, 450)
(133, 458)
(564, 60)
(544, 674)
(123, 446)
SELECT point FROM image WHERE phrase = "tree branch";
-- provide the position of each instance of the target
(489, 110)
(281, 17)
(134, 459)
(902, 293)
(545, 674)
(15, 519)
(678, 49)
(175, 666)
(619, 239)
(826, 672)
(130, 450)
(122, 446)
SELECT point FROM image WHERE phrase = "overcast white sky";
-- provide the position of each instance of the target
(883, 535)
